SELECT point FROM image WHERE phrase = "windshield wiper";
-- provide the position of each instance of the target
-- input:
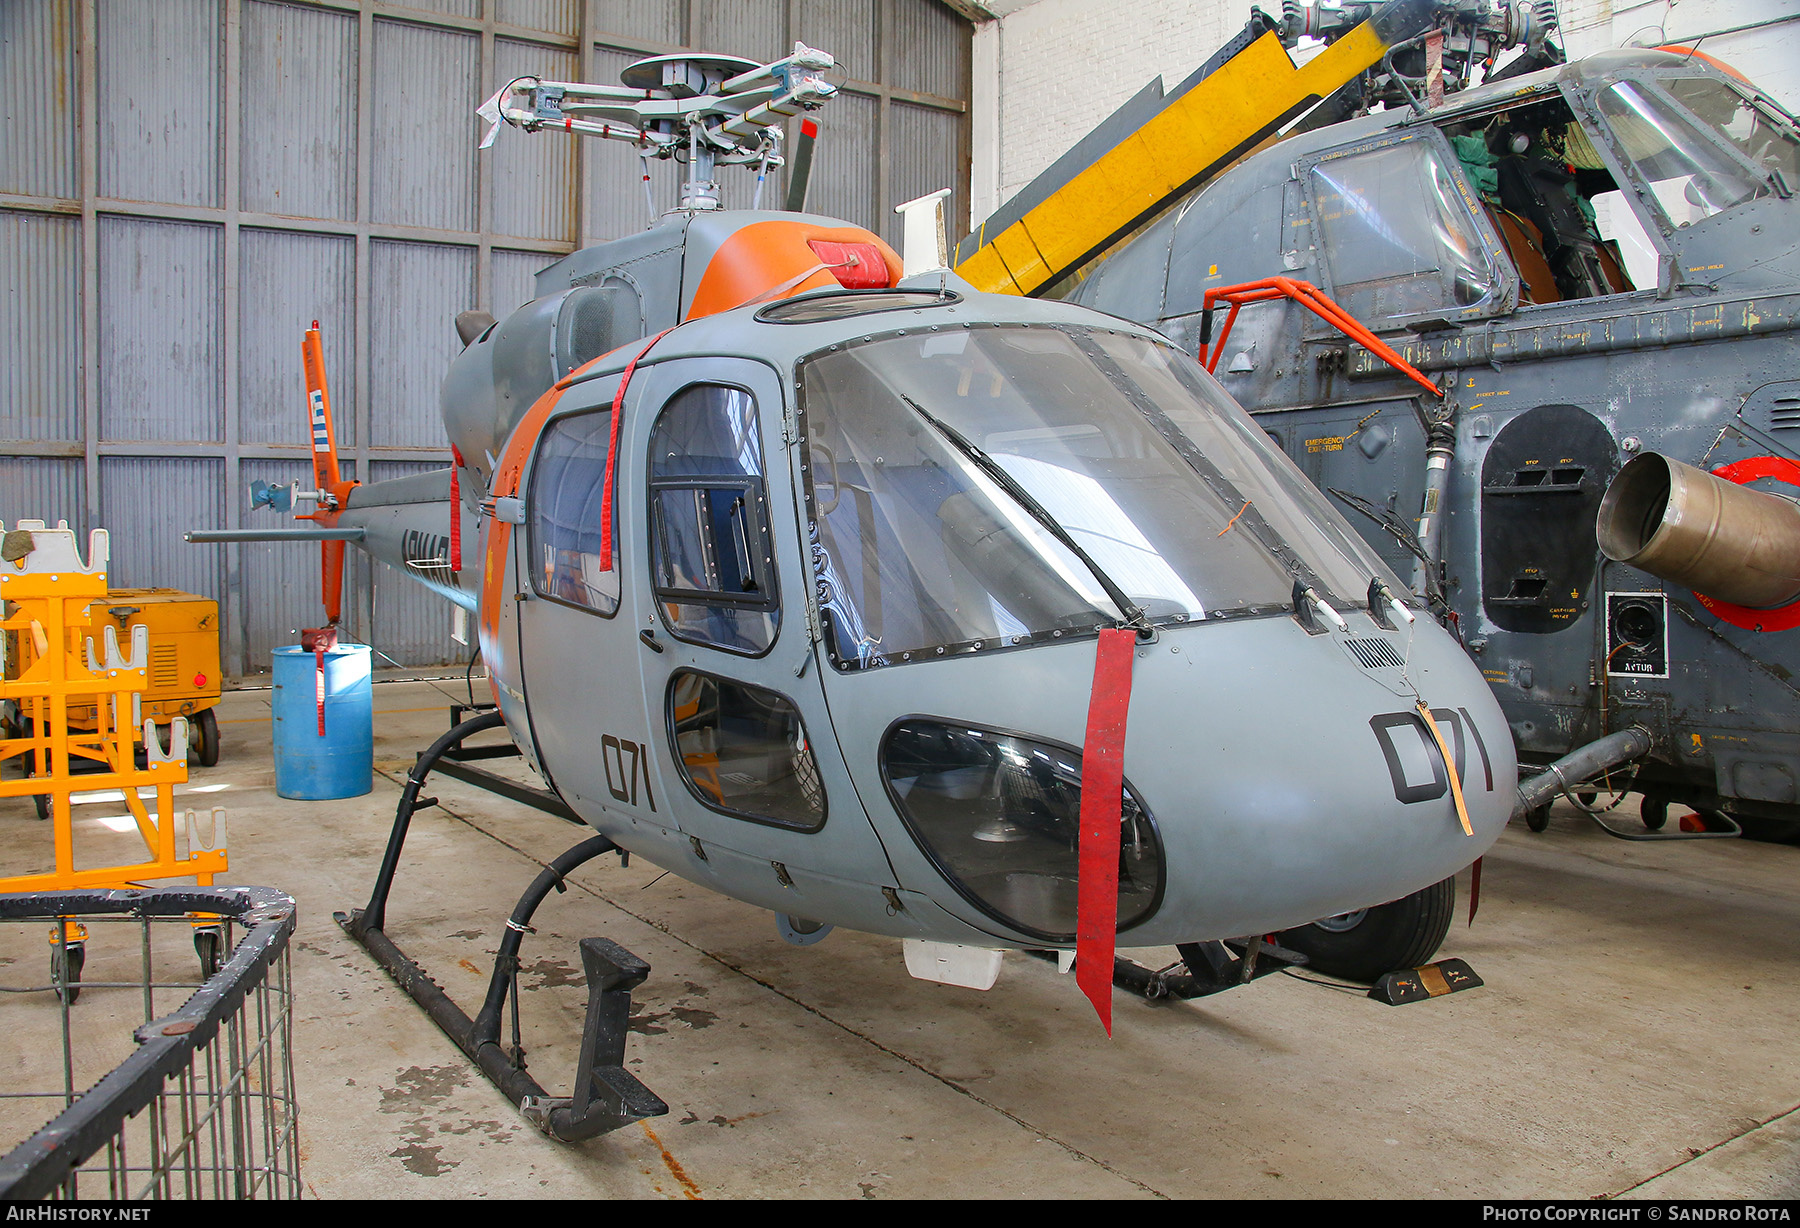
(1132, 612)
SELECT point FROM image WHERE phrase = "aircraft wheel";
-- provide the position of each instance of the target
(1654, 811)
(1361, 945)
(206, 729)
(1538, 818)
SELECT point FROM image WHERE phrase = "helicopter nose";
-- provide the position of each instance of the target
(1292, 776)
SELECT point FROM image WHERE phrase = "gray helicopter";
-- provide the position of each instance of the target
(809, 573)
(1598, 266)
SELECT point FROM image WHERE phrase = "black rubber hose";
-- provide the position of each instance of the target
(1581, 765)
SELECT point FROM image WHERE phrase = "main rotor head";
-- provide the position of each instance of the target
(697, 108)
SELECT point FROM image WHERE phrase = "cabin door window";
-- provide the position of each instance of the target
(712, 561)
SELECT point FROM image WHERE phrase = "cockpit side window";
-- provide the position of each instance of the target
(742, 751)
(1549, 195)
(1400, 241)
(567, 478)
(711, 557)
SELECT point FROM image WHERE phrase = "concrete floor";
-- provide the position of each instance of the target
(1635, 1036)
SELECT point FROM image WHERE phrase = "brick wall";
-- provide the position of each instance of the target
(1064, 65)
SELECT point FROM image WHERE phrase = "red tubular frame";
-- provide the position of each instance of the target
(1316, 301)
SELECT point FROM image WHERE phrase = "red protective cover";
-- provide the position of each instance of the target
(1102, 779)
(857, 266)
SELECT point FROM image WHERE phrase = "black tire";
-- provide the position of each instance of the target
(41, 803)
(1388, 937)
(1586, 798)
(206, 729)
(1538, 819)
(65, 970)
(208, 944)
(1654, 811)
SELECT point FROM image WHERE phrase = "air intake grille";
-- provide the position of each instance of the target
(1784, 414)
(1375, 654)
(164, 669)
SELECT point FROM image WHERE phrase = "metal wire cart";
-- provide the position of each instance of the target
(202, 1103)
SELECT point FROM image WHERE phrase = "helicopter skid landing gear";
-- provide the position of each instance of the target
(606, 1096)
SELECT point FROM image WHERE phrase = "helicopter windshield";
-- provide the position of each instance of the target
(1691, 178)
(1765, 138)
(949, 473)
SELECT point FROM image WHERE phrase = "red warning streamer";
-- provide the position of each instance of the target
(612, 454)
(1102, 782)
(455, 510)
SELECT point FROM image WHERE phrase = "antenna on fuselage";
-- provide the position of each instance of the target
(705, 110)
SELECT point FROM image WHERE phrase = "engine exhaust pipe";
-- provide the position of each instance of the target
(1683, 524)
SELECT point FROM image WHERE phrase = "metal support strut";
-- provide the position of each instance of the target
(606, 1095)
(1205, 968)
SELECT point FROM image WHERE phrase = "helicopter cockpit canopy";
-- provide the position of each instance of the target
(1597, 178)
(1696, 143)
(984, 487)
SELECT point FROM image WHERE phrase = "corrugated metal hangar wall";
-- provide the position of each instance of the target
(185, 185)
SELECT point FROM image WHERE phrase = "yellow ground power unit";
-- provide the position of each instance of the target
(183, 673)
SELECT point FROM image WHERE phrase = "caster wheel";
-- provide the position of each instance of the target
(41, 803)
(1587, 799)
(206, 739)
(65, 970)
(1654, 811)
(209, 944)
(1538, 819)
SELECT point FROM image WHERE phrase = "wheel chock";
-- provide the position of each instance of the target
(1447, 976)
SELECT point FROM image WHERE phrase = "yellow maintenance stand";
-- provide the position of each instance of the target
(51, 601)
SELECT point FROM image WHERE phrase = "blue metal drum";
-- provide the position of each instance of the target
(310, 766)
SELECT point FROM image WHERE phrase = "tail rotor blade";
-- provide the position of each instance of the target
(326, 475)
